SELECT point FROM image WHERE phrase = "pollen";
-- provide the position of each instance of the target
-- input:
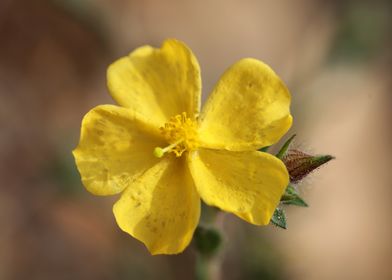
(181, 134)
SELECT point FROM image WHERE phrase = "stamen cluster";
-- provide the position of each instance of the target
(181, 133)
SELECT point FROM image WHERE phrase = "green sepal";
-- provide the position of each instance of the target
(207, 240)
(282, 152)
(291, 197)
(279, 218)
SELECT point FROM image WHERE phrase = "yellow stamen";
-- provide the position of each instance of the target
(181, 133)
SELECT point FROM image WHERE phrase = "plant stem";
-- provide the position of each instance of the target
(207, 240)
(202, 267)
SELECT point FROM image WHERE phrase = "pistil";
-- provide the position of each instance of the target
(159, 152)
(181, 134)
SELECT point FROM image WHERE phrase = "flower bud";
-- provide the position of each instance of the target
(207, 240)
(300, 164)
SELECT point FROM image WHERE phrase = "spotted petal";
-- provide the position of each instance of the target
(162, 207)
(116, 146)
(157, 83)
(247, 110)
(248, 184)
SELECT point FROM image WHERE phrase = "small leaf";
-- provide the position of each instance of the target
(279, 218)
(291, 190)
(291, 197)
(294, 200)
(264, 149)
(282, 152)
(207, 240)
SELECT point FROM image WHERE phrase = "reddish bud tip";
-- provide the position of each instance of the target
(300, 164)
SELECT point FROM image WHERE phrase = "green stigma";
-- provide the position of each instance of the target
(159, 152)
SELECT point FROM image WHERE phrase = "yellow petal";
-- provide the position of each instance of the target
(248, 184)
(247, 110)
(161, 208)
(115, 147)
(158, 83)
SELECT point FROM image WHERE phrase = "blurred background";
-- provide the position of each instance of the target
(335, 57)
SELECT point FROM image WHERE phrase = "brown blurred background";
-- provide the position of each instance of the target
(335, 57)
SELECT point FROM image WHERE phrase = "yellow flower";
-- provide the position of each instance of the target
(164, 154)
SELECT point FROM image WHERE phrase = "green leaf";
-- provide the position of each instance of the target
(207, 240)
(279, 218)
(291, 197)
(294, 200)
(291, 190)
(264, 149)
(282, 152)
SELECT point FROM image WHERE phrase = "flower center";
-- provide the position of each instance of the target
(181, 133)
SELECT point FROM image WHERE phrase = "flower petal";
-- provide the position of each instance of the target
(247, 110)
(162, 208)
(115, 147)
(158, 83)
(248, 184)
